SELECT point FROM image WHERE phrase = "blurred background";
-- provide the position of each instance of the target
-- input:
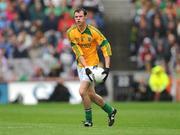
(38, 65)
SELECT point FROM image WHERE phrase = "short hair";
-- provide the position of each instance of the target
(79, 10)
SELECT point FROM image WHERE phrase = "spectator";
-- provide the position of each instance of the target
(158, 28)
(146, 55)
(162, 51)
(143, 30)
(36, 12)
(50, 22)
(23, 11)
(170, 8)
(53, 7)
(20, 50)
(61, 93)
(65, 22)
(38, 74)
(91, 18)
(11, 11)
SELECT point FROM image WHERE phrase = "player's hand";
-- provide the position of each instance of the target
(88, 72)
(106, 72)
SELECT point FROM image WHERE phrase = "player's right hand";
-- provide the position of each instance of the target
(88, 73)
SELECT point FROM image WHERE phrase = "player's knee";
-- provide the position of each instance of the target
(82, 93)
(91, 95)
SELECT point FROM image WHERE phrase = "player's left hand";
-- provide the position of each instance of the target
(106, 71)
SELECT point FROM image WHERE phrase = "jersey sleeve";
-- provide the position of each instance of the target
(75, 47)
(102, 42)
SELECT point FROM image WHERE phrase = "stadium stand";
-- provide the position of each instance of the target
(33, 38)
(155, 36)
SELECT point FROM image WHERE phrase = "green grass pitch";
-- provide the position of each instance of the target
(65, 119)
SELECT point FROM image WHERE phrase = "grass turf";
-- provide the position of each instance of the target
(65, 119)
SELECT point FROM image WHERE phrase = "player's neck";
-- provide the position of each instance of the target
(82, 27)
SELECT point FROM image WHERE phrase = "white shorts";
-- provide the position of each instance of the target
(82, 73)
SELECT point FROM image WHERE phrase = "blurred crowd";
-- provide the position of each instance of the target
(33, 42)
(155, 34)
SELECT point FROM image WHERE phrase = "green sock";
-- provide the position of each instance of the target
(107, 108)
(88, 114)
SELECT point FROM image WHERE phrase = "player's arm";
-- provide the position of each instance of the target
(83, 62)
(107, 61)
(80, 58)
(75, 47)
(79, 54)
(107, 65)
(106, 50)
(104, 45)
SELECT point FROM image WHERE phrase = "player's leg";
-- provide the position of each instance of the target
(83, 91)
(100, 102)
(86, 102)
(97, 99)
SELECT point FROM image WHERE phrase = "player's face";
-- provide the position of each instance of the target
(79, 18)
